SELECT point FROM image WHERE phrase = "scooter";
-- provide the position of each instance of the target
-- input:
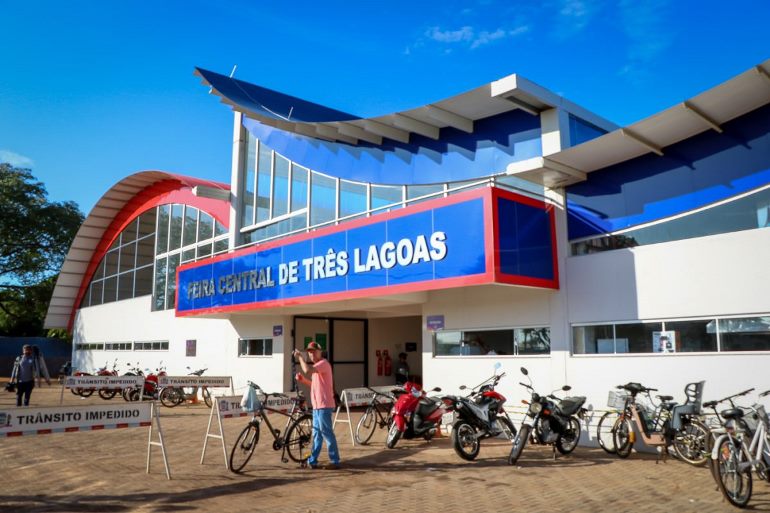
(554, 421)
(480, 415)
(415, 415)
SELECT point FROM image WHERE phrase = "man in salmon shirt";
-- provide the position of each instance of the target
(322, 398)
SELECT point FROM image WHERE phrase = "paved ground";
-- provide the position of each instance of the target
(105, 471)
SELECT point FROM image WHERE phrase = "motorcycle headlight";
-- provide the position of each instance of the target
(535, 408)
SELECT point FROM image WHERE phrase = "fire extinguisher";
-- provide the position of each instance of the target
(388, 363)
(379, 362)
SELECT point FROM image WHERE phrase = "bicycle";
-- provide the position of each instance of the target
(734, 457)
(174, 396)
(374, 417)
(294, 440)
(655, 427)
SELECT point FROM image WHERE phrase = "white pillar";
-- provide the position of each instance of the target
(236, 180)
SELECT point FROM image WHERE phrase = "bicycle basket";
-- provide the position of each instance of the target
(762, 414)
(751, 419)
(617, 400)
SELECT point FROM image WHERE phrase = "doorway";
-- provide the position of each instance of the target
(346, 346)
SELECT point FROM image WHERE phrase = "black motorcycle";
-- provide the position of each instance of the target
(554, 421)
(479, 415)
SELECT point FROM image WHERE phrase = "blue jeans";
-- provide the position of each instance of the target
(322, 430)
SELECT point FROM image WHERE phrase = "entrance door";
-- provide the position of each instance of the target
(346, 344)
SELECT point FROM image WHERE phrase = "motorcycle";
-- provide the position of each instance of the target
(174, 396)
(480, 415)
(414, 415)
(108, 393)
(151, 389)
(554, 421)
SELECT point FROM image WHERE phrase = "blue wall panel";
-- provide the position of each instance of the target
(525, 241)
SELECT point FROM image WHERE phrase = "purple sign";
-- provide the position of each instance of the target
(435, 322)
(278, 330)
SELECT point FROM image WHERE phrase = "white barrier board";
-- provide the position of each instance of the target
(103, 381)
(194, 381)
(61, 419)
(363, 396)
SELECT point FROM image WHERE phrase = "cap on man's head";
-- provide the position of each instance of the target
(313, 346)
(26, 346)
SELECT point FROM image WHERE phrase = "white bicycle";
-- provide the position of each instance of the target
(744, 447)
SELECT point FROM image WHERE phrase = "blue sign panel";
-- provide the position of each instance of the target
(443, 242)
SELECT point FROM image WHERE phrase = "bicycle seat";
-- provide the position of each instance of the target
(634, 388)
(710, 404)
(665, 397)
(733, 413)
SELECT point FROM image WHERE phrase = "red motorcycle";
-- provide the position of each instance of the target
(108, 393)
(415, 415)
(151, 389)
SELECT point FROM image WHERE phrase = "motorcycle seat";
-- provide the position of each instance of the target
(570, 405)
(426, 407)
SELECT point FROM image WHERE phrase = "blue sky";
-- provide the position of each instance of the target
(91, 92)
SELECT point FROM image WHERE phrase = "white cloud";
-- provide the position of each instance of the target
(574, 16)
(644, 24)
(471, 37)
(15, 159)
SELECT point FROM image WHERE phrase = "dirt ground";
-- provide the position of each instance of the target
(105, 471)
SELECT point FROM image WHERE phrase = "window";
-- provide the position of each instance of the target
(699, 335)
(508, 341)
(118, 346)
(352, 198)
(158, 345)
(264, 183)
(418, 191)
(89, 347)
(323, 199)
(280, 186)
(255, 347)
(384, 195)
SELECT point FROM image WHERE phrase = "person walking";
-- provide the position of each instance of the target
(27, 368)
(321, 384)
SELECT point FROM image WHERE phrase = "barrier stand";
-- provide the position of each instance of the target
(356, 397)
(100, 382)
(45, 420)
(225, 407)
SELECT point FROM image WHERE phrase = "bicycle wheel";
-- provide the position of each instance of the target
(519, 441)
(366, 426)
(107, 394)
(206, 396)
(168, 397)
(734, 484)
(299, 437)
(691, 443)
(244, 447)
(567, 441)
(604, 431)
(623, 437)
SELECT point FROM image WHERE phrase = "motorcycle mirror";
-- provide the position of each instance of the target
(524, 371)
(566, 388)
(498, 365)
(436, 389)
(463, 387)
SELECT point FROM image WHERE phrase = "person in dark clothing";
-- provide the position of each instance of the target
(402, 369)
(26, 369)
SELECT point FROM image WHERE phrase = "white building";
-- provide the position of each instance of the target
(506, 220)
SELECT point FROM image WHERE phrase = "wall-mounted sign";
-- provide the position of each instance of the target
(448, 242)
(278, 330)
(192, 347)
(435, 322)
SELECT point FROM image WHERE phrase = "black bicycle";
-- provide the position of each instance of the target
(294, 441)
(378, 414)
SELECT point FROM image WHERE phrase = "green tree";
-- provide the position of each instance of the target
(35, 235)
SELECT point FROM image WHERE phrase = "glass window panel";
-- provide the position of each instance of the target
(416, 191)
(487, 342)
(86, 301)
(264, 184)
(594, 339)
(352, 198)
(636, 337)
(693, 336)
(175, 232)
(145, 253)
(173, 263)
(518, 183)
(111, 265)
(110, 289)
(99, 273)
(219, 229)
(383, 195)
(143, 283)
(205, 227)
(745, 334)
(129, 232)
(115, 243)
(280, 186)
(249, 182)
(299, 178)
(126, 285)
(204, 250)
(298, 222)
(447, 342)
(188, 254)
(220, 245)
(466, 185)
(96, 293)
(323, 198)
(159, 294)
(532, 340)
(164, 212)
(147, 223)
(128, 257)
(190, 225)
